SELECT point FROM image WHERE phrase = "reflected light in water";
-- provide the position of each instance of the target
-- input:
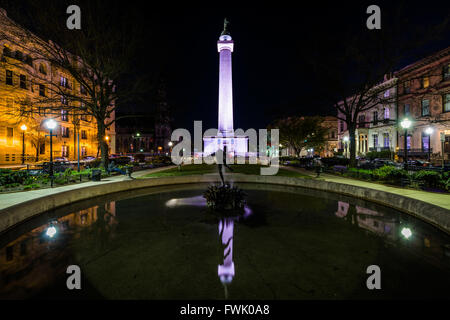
(406, 232)
(51, 231)
(226, 270)
(197, 201)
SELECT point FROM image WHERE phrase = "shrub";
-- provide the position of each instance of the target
(385, 154)
(8, 176)
(430, 179)
(390, 174)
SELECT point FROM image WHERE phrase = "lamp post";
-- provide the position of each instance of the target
(51, 124)
(346, 149)
(170, 144)
(429, 131)
(23, 128)
(406, 123)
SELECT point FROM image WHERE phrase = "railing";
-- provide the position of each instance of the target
(379, 149)
(415, 152)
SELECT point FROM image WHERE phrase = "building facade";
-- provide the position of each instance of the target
(21, 80)
(377, 126)
(424, 98)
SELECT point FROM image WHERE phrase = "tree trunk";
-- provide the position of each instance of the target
(37, 152)
(352, 141)
(102, 143)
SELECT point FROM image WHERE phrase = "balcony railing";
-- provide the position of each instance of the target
(379, 149)
(415, 152)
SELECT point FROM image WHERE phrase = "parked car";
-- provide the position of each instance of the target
(60, 159)
(89, 158)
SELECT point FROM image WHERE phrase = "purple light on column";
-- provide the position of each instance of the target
(225, 48)
(226, 269)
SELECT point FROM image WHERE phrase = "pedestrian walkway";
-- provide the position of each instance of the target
(10, 199)
(438, 199)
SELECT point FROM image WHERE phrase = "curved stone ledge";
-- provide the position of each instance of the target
(435, 215)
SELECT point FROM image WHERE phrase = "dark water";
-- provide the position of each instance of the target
(162, 243)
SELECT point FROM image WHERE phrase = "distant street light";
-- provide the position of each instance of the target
(429, 131)
(51, 124)
(23, 128)
(406, 123)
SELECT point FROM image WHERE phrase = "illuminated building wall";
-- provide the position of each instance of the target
(17, 85)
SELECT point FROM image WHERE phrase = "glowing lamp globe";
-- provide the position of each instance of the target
(50, 124)
(406, 232)
(406, 123)
(23, 127)
(429, 131)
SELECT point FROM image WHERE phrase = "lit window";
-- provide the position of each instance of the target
(386, 113)
(425, 82)
(23, 81)
(406, 110)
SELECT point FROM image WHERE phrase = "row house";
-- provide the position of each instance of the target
(419, 92)
(376, 129)
(27, 78)
(424, 98)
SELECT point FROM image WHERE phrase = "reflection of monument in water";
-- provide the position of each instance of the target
(225, 134)
(226, 270)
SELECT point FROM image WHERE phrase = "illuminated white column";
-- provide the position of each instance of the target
(225, 48)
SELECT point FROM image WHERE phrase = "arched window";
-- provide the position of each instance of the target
(42, 69)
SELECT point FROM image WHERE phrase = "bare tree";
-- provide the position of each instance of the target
(299, 133)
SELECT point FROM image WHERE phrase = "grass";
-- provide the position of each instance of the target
(196, 169)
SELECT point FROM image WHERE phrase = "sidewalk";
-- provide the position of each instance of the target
(438, 199)
(10, 199)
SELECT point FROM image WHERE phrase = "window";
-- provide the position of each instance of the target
(333, 134)
(9, 77)
(375, 140)
(42, 69)
(407, 86)
(386, 113)
(386, 93)
(445, 72)
(386, 140)
(342, 125)
(9, 132)
(83, 151)
(42, 90)
(425, 141)
(446, 104)
(64, 101)
(82, 89)
(408, 142)
(65, 132)
(19, 55)
(7, 51)
(64, 150)
(375, 117)
(425, 107)
(64, 115)
(425, 82)
(361, 121)
(64, 82)
(83, 134)
(23, 81)
(406, 111)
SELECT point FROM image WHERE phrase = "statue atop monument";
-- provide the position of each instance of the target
(225, 27)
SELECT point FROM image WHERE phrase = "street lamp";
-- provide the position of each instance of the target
(51, 124)
(406, 123)
(346, 149)
(170, 144)
(23, 128)
(429, 131)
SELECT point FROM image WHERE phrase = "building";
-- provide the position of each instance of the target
(17, 86)
(135, 134)
(424, 98)
(376, 129)
(419, 92)
(332, 143)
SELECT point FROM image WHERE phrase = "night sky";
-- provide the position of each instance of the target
(272, 43)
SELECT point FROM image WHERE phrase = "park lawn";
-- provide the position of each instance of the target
(195, 169)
